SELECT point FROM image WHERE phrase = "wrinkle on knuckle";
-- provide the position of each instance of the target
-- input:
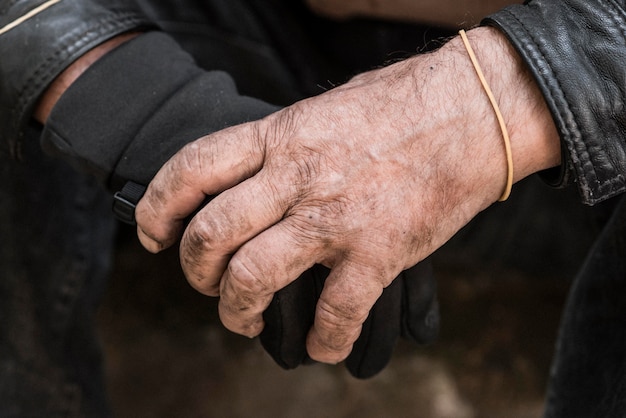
(199, 238)
(153, 203)
(306, 225)
(196, 245)
(149, 209)
(337, 326)
(246, 277)
(213, 234)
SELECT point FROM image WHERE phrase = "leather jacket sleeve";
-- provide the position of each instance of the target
(35, 51)
(576, 50)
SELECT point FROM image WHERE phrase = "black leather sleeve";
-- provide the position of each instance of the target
(576, 50)
(34, 52)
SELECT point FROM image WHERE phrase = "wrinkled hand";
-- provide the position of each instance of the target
(367, 179)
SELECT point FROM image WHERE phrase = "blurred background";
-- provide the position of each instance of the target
(502, 281)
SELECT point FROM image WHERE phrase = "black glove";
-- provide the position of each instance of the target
(142, 102)
(408, 308)
(37, 50)
(137, 106)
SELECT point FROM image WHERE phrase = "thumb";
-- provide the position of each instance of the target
(204, 167)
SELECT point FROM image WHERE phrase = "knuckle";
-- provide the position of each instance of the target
(247, 276)
(211, 234)
(338, 327)
(249, 330)
(194, 248)
(200, 237)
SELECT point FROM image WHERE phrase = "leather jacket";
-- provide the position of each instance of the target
(576, 50)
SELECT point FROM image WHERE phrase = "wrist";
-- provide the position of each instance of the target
(71, 73)
(534, 141)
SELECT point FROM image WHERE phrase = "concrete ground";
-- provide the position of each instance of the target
(168, 355)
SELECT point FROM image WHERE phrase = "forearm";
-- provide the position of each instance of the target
(534, 140)
(460, 106)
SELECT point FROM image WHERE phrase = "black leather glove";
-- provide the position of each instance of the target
(408, 308)
(121, 126)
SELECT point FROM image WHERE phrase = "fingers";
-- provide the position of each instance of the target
(349, 294)
(260, 268)
(204, 167)
(270, 259)
(217, 232)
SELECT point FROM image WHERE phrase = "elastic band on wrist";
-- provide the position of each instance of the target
(494, 104)
(27, 16)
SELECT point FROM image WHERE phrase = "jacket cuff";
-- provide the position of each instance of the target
(36, 51)
(135, 107)
(99, 115)
(576, 52)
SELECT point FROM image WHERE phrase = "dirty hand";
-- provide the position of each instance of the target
(367, 179)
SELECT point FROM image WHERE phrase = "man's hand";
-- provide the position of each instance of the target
(367, 179)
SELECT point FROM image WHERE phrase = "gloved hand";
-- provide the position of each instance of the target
(121, 126)
(407, 308)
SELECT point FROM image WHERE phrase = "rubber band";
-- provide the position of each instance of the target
(494, 104)
(28, 15)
